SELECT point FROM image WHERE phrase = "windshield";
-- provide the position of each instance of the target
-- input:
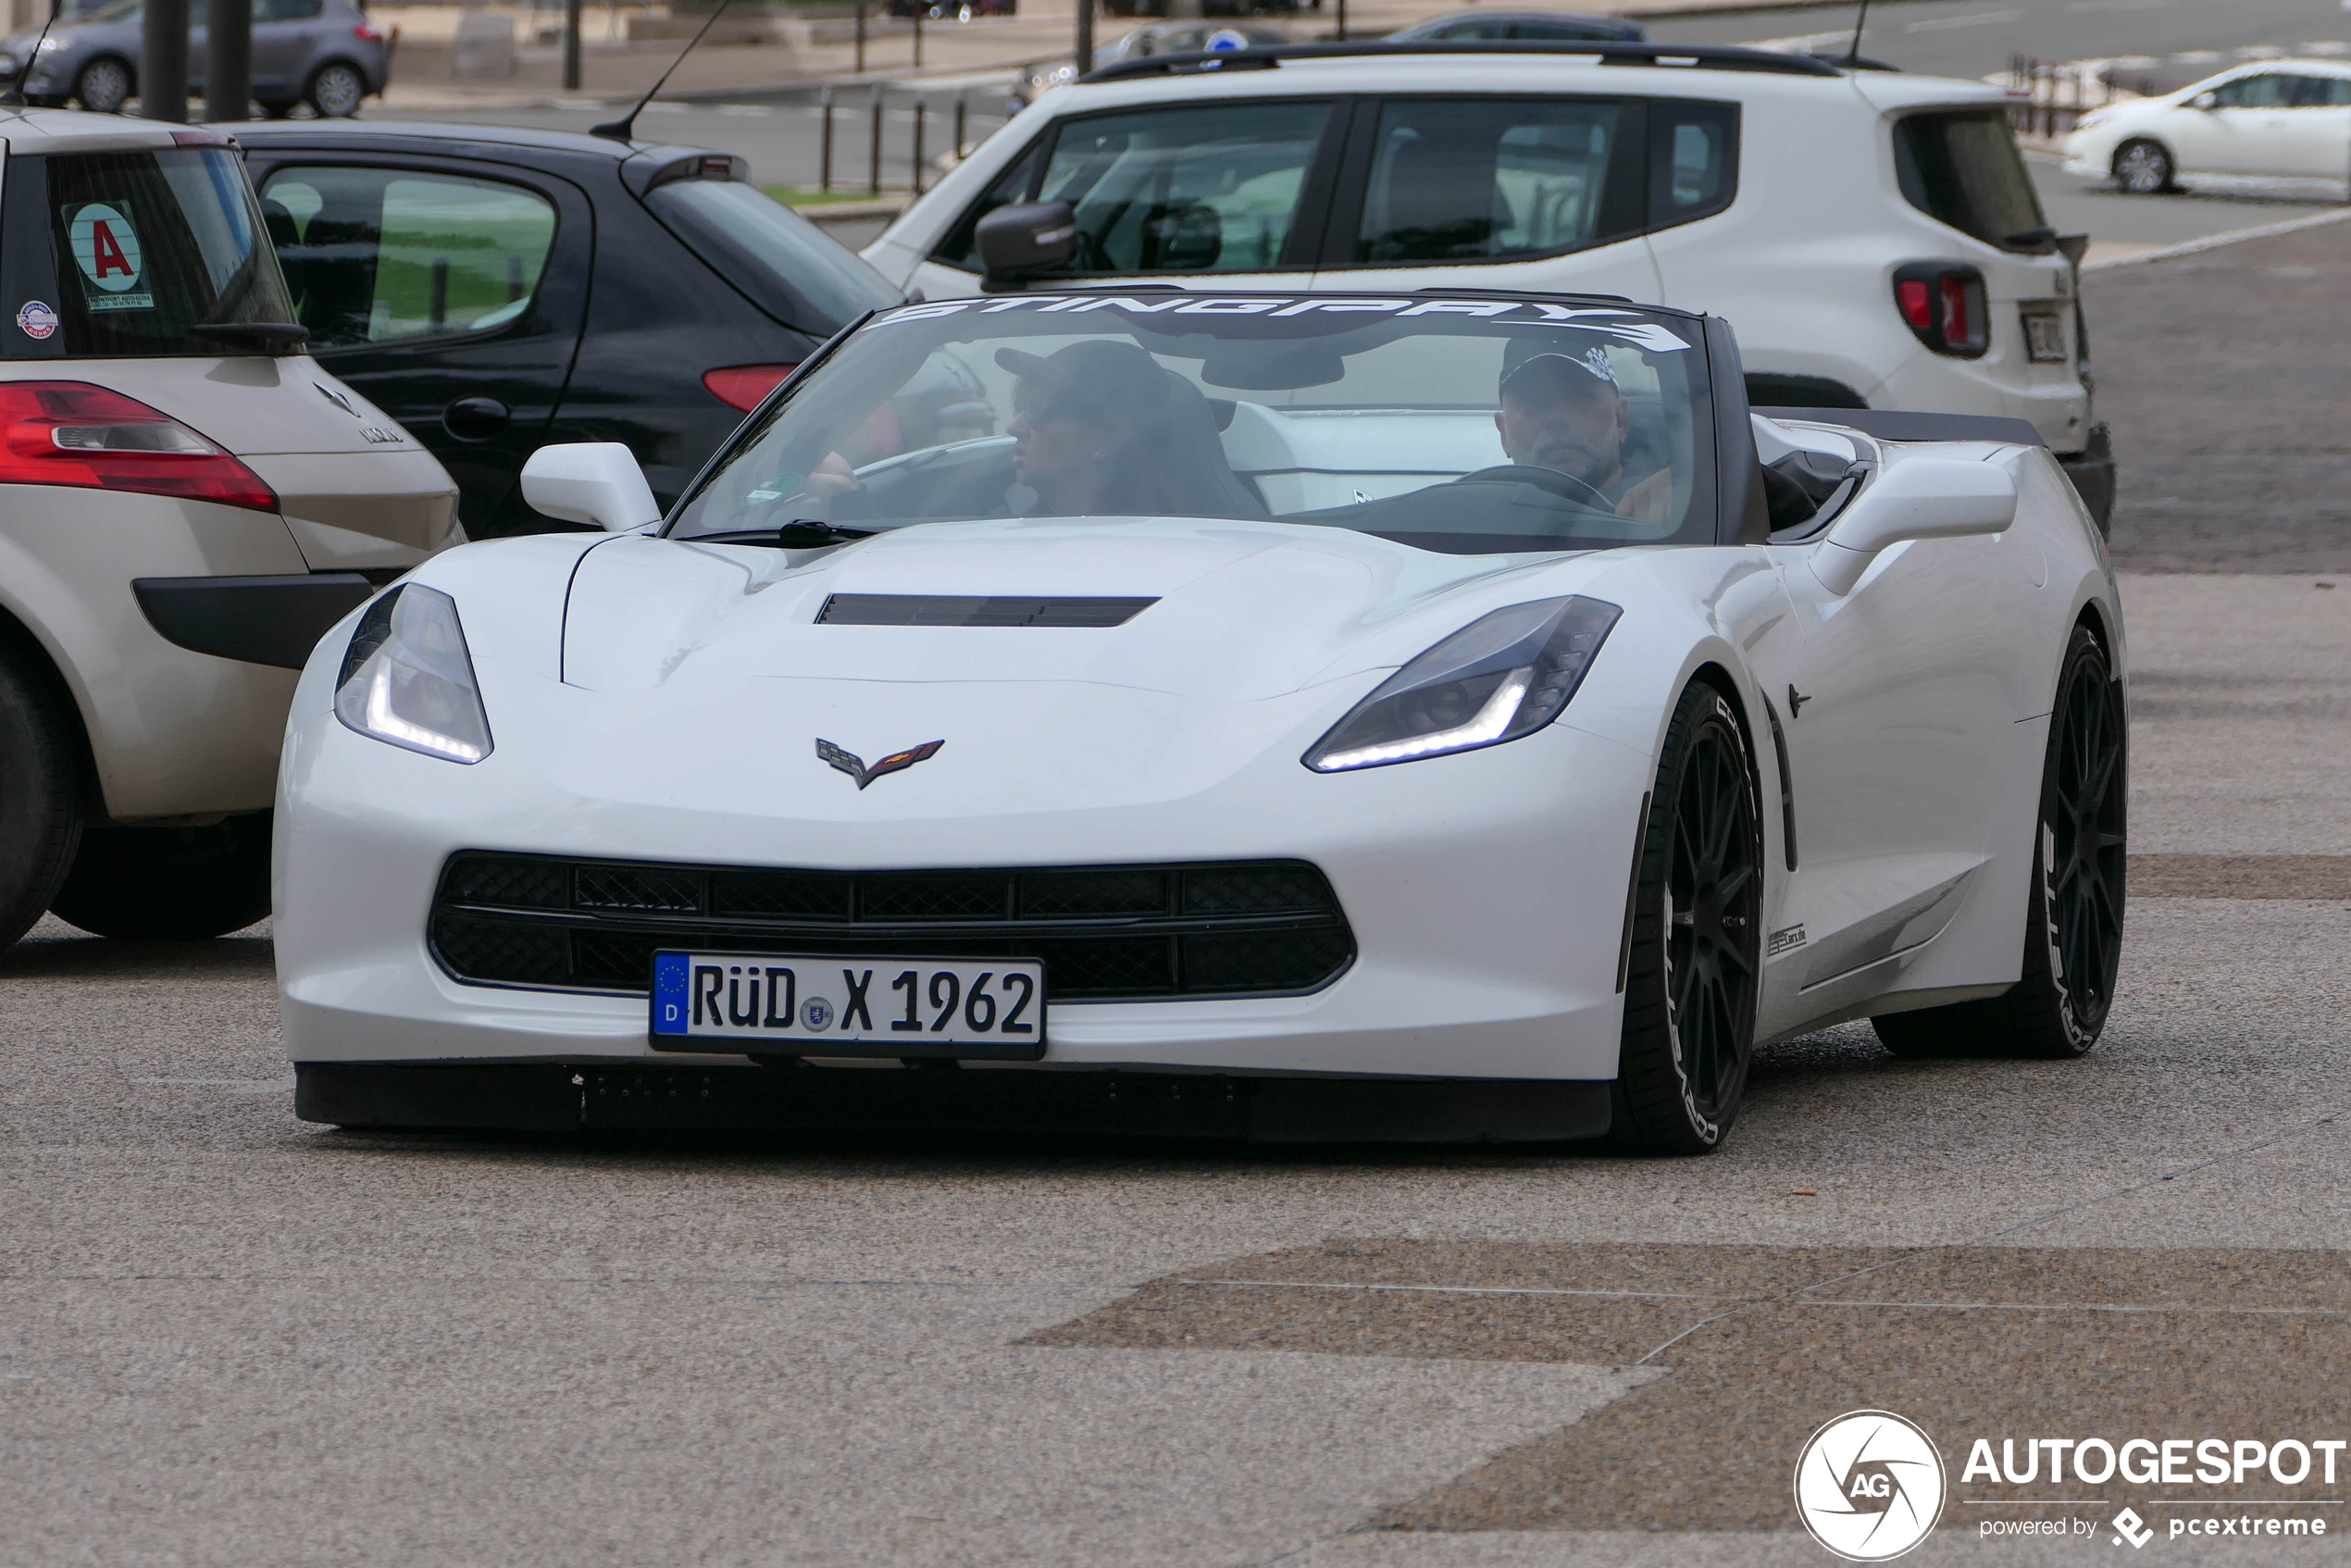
(145, 249)
(1459, 425)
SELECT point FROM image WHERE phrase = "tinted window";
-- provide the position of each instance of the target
(1485, 179)
(380, 256)
(959, 248)
(144, 247)
(772, 253)
(2269, 91)
(1962, 168)
(286, 10)
(2321, 91)
(1193, 189)
(1693, 164)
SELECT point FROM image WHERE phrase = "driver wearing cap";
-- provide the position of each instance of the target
(1565, 413)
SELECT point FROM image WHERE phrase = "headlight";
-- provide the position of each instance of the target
(2092, 120)
(408, 680)
(1499, 677)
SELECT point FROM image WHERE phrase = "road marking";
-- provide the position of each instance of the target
(1978, 18)
(2197, 57)
(2118, 5)
(761, 110)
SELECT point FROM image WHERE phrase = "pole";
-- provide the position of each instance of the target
(1084, 51)
(824, 161)
(227, 59)
(873, 165)
(571, 45)
(960, 107)
(920, 6)
(860, 68)
(919, 108)
(162, 60)
(1342, 34)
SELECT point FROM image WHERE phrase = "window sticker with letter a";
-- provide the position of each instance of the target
(106, 246)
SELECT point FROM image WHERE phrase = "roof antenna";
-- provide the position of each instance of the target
(625, 128)
(1852, 56)
(14, 98)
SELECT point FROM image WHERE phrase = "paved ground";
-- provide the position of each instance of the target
(229, 1338)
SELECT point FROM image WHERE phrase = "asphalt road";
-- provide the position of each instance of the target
(230, 1338)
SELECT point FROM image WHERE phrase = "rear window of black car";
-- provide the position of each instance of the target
(782, 261)
(1961, 167)
(144, 247)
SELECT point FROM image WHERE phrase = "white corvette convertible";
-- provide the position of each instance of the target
(1302, 717)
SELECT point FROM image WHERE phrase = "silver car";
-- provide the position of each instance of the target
(324, 53)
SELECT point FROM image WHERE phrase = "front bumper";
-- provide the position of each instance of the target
(590, 1099)
(1486, 891)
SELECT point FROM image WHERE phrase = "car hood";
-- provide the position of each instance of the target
(1238, 611)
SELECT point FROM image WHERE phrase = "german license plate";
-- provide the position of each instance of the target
(991, 1008)
(2045, 338)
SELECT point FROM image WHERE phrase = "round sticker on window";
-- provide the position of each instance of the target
(1223, 41)
(36, 320)
(106, 246)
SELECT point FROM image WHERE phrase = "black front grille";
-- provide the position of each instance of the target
(1103, 933)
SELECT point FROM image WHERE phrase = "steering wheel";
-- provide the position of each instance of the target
(1567, 487)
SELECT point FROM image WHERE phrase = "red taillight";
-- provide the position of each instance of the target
(1943, 303)
(367, 32)
(1917, 302)
(745, 386)
(72, 433)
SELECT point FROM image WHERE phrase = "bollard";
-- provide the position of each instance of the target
(860, 67)
(960, 107)
(920, 6)
(825, 156)
(920, 107)
(874, 152)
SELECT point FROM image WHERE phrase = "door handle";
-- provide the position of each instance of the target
(475, 418)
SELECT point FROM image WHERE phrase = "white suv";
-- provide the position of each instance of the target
(186, 502)
(1874, 237)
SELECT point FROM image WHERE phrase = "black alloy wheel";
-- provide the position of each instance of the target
(2144, 169)
(2074, 923)
(1695, 960)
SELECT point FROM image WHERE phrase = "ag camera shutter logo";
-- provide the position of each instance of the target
(1870, 1485)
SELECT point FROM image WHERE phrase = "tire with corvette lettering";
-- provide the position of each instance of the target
(174, 883)
(1695, 953)
(41, 775)
(2073, 925)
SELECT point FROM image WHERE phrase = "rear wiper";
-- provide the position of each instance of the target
(2038, 239)
(801, 533)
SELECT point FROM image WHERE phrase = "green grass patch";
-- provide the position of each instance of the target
(793, 196)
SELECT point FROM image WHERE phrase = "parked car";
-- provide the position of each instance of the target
(1315, 714)
(1207, 8)
(323, 53)
(1875, 236)
(2283, 118)
(496, 289)
(1550, 26)
(187, 499)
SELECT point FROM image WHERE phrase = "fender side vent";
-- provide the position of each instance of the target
(924, 609)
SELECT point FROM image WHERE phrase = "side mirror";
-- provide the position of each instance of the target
(596, 482)
(1017, 241)
(2205, 101)
(1922, 498)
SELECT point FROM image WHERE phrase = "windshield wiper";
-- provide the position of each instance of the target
(801, 533)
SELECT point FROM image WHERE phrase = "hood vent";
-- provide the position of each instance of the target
(927, 609)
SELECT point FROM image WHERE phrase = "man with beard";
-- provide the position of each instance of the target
(1564, 413)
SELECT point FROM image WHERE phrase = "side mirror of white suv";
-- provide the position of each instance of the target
(1920, 498)
(596, 482)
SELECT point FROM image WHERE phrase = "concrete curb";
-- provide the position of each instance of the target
(2214, 241)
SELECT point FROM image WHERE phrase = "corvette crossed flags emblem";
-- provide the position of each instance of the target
(897, 762)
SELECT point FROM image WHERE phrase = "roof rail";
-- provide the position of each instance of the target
(1270, 56)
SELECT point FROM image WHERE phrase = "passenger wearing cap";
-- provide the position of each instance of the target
(1566, 413)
